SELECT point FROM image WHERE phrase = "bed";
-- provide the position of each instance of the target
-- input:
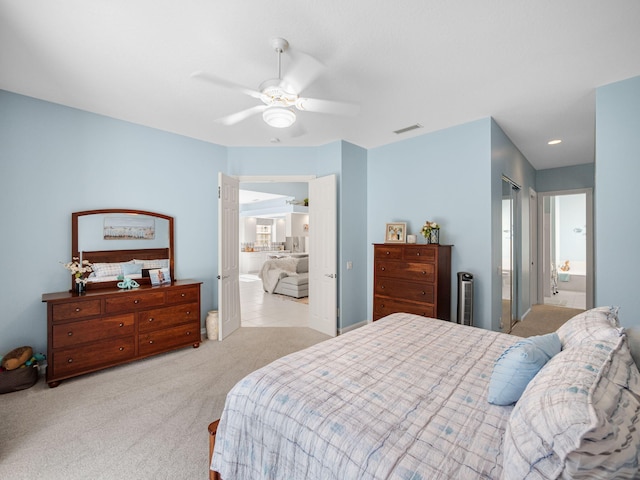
(287, 275)
(406, 397)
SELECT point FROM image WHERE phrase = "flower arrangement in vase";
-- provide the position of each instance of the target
(431, 232)
(80, 270)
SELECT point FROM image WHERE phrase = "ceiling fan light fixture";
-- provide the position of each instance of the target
(279, 117)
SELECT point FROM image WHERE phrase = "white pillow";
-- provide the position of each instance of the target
(107, 269)
(596, 324)
(158, 263)
(579, 417)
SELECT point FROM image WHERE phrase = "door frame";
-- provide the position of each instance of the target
(590, 280)
(288, 179)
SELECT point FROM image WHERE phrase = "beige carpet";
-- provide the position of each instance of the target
(543, 319)
(144, 420)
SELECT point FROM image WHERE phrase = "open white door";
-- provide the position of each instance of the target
(323, 278)
(228, 256)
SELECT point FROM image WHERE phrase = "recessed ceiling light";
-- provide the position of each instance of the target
(554, 142)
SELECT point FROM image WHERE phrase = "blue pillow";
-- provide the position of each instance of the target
(131, 269)
(517, 366)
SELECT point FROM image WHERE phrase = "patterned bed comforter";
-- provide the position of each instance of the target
(402, 398)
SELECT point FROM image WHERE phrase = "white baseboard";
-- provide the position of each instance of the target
(525, 314)
(342, 331)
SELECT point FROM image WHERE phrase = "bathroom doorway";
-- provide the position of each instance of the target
(565, 276)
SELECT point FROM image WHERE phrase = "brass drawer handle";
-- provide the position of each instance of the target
(418, 254)
(188, 333)
(70, 334)
(423, 293)
(424, 273)
(183, 295)
(77, 309)
(150, 341)
(69, 360)
(383, 269)
(151, 319)
(121, 348)
(121, 324)
(189, 312)
(388, 252)
(136, 301)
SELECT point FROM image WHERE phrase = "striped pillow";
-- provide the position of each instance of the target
(596, 324)
(579, 417)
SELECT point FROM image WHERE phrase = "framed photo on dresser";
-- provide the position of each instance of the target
(160, 276)
(396, 233)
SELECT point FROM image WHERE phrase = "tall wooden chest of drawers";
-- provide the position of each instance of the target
(412, 278)
(103, 328)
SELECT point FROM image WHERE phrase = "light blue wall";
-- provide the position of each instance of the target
(353, 239)
(617, 174)
(507, 160)
(56, 160)
(565, 178)
(444, 177)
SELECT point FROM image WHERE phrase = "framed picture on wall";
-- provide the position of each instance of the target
(395, 233)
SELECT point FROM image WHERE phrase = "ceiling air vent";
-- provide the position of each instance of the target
(407, 129)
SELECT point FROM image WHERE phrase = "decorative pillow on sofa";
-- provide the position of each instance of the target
(518, 364)
(596, 324)
(579, 417)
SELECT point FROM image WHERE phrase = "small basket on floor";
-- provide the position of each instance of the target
(18, 379)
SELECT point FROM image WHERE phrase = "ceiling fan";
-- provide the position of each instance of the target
(280, 96)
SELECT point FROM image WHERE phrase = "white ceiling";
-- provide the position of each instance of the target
(531, 65)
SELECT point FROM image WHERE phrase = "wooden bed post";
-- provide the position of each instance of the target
(213, 429)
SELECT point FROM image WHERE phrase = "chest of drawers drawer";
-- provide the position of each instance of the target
(160, 340)
(183, 295)
(419, 272)
(83, 331)
(77, 309)
(108, 352)
(166, 317)
(387, 306)
(134, 301)
(418, 292)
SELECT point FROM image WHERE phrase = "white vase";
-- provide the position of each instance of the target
(212, 325)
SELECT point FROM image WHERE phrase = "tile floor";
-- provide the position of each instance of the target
(261, 309)
(569, 299)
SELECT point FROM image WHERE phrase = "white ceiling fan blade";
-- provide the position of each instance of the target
(327, 106)
(226, 84)
(302, 72)
(241, 115)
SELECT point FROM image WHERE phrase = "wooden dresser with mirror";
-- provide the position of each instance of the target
(107, 325)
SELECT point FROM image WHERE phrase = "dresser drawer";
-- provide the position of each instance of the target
(388, 251)
(82, 331)
(135, 301)
(419, 272)
(417, 292)
(161, 340)
(98, 354)
(387, 306)
(420, 254)
(73, 310)
(183, 295)
(168, 317)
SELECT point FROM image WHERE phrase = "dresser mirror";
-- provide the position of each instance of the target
(122, 242)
